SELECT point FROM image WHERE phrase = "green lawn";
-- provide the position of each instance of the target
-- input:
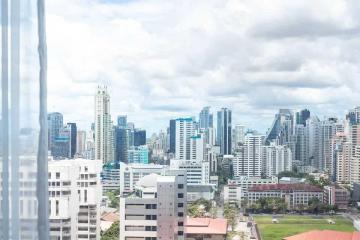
(293, 224)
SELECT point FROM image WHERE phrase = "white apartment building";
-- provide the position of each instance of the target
(233, 194)
(197, 147)
(248, 158)
(130, 174)
(238, 135)
(74, 199)
(184, 131)
(155, 210)
(197, 172)
(276, 159)
(104, 137)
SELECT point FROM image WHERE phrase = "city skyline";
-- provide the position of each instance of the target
(164, 63)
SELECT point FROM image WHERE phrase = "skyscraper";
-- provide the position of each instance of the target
(103, 126)
(172, 136)
(238, 135)
(224, 131)
(55, 123)
(205, 118)
(122, 121)
(282, 128)
(73, 138)
(184, 132)
(81, 143)
(139, 137)
(302, 116)
(121, 144)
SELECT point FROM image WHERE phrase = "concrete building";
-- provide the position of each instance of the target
(244, 183)
(197, 147)
(294, 194)
(110, 176)
(238, 135)
(276, 159)
(55, 123)
(341, 152)
(81, 143)
(205, 118)
(197, 172)
(130, 174)
(74, 199)
(184, 130)
(233, 193)
(155, 210)
(355, 165)
(104, 137)
(248, 158)
(337, 196)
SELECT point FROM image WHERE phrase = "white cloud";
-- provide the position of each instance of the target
(163, 59)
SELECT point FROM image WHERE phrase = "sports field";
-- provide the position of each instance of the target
(293, 224)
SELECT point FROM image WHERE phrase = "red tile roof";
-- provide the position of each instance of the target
(325, 235)
(285, 187)
(217, 226)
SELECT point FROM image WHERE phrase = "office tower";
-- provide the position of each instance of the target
(81, 143)
(55, 123)
(282, 128)
(238, 135)
(198, 173)
(172, 136)
(122, 121)
(62, 144)
(205, 118)
(224, 131)
(139, 137)
(210, 136)
(184, 131)
(104, 149)
(138, 154)
(73, 138)
(110, 176)
(74, 199)
(159, 204)
(248, 158)
(121, 144)
(302, 116)
(341, 158)
(197, 147)
(301, 146)
(276, 159)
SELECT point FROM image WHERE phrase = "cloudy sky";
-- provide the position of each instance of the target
(168, 58)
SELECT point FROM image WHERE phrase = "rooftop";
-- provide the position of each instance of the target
(216, 226)
(325, 235)
(285, 187)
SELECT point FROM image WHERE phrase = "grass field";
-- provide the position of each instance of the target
(294, 224)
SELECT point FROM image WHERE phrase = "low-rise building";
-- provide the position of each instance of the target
(336, 196)
(294, 194)
(232, 194)
(206, 228)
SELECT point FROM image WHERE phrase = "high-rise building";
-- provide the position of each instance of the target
(74, 199)
(55, 123)
(247, 159)
(122, 121)
(238, 135)
(156, 210)
(73, 138)
(282, 128)
(197, 173)
(104, 141)
(121, 144)
(139, 154)
(301, 145)
(184, 129)
(224, 130)
(302, 116)
(62, 145)
(205, 118)
(355, 165)
(341, 158)
(81, 143)
(139, 137)
(172, 136)
(197, 146)
(276, 159)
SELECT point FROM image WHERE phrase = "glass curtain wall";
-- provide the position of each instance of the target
(23, 130)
